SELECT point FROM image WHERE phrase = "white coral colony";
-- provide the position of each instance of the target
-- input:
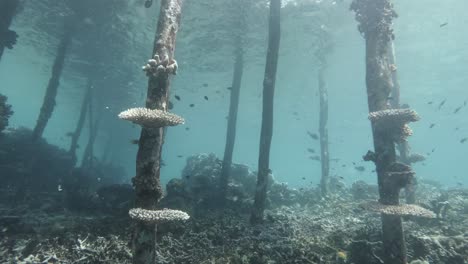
(158, 216)
(151, 118)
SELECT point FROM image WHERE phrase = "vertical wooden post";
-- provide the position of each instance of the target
(232, 119)
(79, 125)
(147, 180)
(323, 131)
(375, 21)
(267, 113)
(49, 103)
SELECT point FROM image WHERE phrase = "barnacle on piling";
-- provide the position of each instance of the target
(157, 216)
(151, 117)
(400, 210)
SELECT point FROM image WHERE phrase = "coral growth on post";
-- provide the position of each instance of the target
(151, 118)
(389, 125)
(157, 216)
(5, 112)
(8, 38)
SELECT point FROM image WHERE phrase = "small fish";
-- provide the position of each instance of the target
(187, 176)
(443, 24)
(341, 177)
(295, 113)
(442, 103)
(463, 140)
(314, 158)
(187, 128)
(205, 85)
(360, 168)
(354, 163)
(432, 125)
(59, 188)
(177, 97)
(170, 105)
(218, 91)
(162, 163)
(192, 105)
(180, 156)
(311, 150)
(134, 141)
(301, 189)
(464, 103)
(457, 109)
(433, 150)
(229, 88)
(206, 97)
(312, 135)
(303, 178)
(344, 165)
(373, 170)
(430, 102)
(69, 134)
(459, 184)
(148, 3)
(457, 128)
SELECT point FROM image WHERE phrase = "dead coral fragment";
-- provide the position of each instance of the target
(157, 216)
(156, 66)
(394, 121)
(400, 210)
(151, 118)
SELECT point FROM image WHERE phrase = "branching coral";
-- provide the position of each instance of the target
(399, 210)
(151, 118)
(158, 216)
(394, 122)
(5, 112)
(156, 66)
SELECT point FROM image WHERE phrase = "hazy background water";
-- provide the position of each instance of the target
(432, 63)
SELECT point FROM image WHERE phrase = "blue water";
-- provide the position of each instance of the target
(431, 61)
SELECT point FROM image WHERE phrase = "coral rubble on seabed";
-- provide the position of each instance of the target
(336, 230)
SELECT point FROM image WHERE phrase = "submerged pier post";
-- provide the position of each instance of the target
(148, 168)
(403, 147)
(49, 102)
(79, 125)
(323, 131)
(388, 126)
(269, 82)
(233, 107)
